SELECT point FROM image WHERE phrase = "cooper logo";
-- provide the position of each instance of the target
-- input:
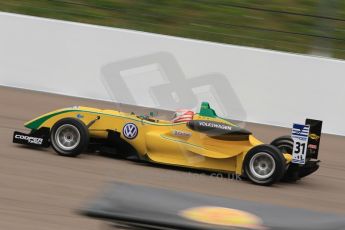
(181, 133)
(31, 140)
(214, 125)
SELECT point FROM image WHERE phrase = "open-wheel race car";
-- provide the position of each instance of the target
(193, 140)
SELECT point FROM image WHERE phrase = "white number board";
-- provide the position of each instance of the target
(300, 134)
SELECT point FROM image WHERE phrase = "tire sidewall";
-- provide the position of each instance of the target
(279, 161)
(284, 142)
(84, 137)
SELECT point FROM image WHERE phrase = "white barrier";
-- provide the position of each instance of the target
(263, 86)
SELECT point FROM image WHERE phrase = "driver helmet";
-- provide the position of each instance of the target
(183, 115)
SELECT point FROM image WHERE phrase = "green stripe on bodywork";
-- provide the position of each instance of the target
(39, 121)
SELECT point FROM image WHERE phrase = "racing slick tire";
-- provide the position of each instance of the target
(264, 164)
(285, 145)
(69, 137)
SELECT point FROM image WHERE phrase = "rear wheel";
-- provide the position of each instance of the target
(69, 137)
(285, 145)
(264, 165)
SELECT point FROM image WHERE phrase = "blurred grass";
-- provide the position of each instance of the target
(290, 25)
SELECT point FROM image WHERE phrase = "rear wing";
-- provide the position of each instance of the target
(306, 139)
(314, 137)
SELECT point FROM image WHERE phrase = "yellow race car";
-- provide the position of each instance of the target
(193, 140)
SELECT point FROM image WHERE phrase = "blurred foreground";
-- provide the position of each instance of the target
(135, 206)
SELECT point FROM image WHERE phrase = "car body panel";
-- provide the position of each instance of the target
(192, 140)
(161, 141)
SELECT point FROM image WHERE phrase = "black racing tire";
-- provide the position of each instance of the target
(69, 137)
(285, 145)
(264, 164)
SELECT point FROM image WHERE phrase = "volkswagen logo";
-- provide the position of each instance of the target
(130, 131)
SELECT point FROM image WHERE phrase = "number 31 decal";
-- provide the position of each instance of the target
(300, 135)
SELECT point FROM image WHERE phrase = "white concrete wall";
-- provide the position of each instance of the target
(268, 87)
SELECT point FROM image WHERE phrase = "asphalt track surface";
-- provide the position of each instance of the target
(41, 190)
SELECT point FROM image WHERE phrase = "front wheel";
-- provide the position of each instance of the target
(264, 164)
(69, 137)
